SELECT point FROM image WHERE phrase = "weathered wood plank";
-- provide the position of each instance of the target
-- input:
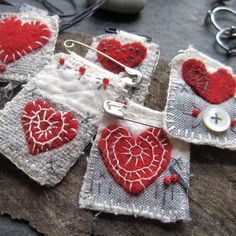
(55, 212)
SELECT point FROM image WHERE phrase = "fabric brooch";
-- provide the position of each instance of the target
(131, 50)
(46, 127)
(201, 103)
(135, 168)
(27, 41)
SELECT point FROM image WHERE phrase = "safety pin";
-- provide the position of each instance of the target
(136, 76)
(115, 109)
(211, 15)
(111, 30)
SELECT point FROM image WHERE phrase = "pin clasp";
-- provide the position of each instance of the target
(114, 108)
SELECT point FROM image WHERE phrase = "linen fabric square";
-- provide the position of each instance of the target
(135, 169)
(44, 130)
(27, 41)
(76, 82)
(131, 50)
(201, 103)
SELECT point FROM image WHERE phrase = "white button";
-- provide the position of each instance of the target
(216, 118)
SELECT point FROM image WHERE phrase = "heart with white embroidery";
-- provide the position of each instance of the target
(134, 162)
(129, 54)
(45, 128)
(19, 38)
(214, 87)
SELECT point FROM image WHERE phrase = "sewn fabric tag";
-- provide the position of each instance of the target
(134, 169)
(46, 127)
(131, 50)
(27, 41)
(74, 81)
(201, 103)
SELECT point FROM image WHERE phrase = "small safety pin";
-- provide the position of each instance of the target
(212, 13)
(116, 109)
(136, 76)
(221, 34)
(111, 30)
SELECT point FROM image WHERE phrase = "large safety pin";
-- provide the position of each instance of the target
(135, 75)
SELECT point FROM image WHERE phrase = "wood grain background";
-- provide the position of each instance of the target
(54, 211)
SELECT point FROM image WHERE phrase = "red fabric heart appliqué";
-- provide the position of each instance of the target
(134, 162)
(213, 87)
(130, 54)
(18, 38)
(46, 129)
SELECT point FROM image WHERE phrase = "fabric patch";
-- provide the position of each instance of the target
(213, 87)
(46, 114)
(146, 65)
(187, 115)
(47, 167)
(106, 189)
(27, 41)
(82, 92)
(135, 162)
(45, 128)
(130, 54)
(19, 38)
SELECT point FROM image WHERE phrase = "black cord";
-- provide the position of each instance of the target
(55, 10)
(10, 2)
(219, 3)
(77, 17)
(85, 14)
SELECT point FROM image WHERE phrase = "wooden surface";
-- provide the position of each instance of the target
(55, 211)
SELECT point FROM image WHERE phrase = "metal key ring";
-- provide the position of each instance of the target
(221, 35)
(212, 14)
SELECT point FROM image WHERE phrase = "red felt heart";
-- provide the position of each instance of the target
(213, 87)
(18, 38)
(46, 129)
(130, 54)
(134, 162)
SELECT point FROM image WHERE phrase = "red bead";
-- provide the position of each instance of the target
(174, 177)
(195, 112)
(233, 122)
(167, 180)
(2, 68)
(125, 102)
(82, 70)
(62, 60)
(105, 81)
